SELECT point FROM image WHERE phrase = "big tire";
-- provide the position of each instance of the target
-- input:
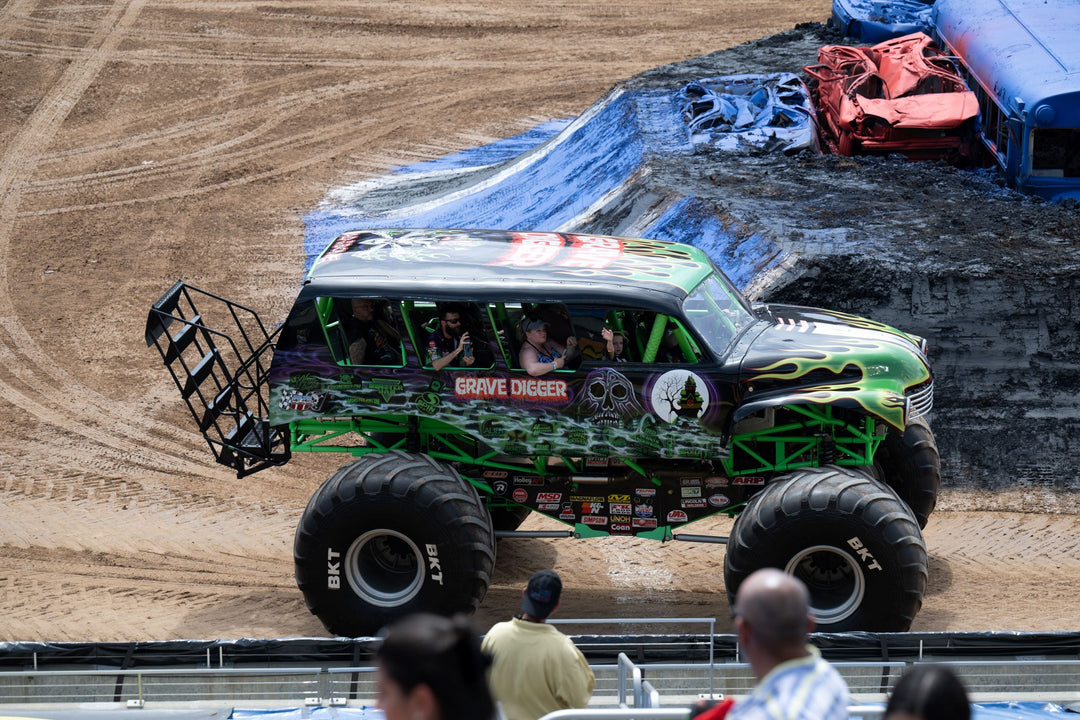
(909, 462)
(847, 536)
(388, 535)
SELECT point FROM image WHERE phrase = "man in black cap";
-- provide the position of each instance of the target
(537, 669)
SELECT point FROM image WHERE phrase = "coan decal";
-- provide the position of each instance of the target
(500, 388)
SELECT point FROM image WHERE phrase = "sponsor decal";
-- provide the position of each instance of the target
(618, 498)
(520, 495)
(548, 507)
(647, 523)
(643, 510)
(586, 498)
(567, 512)
(500, 487)
(620, 519)
(719, 500)
(621, 528)
(594, 520)
(299, 400)
(719, 481)
(549, 497)
(864, 554)
(676, 516)
(468, 387)
(386, 387)
(528, 480)
(434, 567)
(691, 492)
(747, 480)
(496, 474)
(688, 482)
(596, 462)
(685, 504)
(333, 569)
(591, 508)
(620, 509)
(645, 492)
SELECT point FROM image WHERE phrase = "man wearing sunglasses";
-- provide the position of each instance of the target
(449, 344)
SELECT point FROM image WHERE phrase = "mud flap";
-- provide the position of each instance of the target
(221, 374)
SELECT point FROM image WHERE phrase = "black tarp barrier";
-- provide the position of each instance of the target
(346, 652)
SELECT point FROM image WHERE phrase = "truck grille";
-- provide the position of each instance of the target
(921, 401)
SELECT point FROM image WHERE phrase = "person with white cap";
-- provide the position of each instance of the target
(536, 669)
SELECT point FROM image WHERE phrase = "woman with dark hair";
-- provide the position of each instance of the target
(431, 668)
(928, 692)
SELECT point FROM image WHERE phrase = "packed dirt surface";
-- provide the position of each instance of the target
(146, 140)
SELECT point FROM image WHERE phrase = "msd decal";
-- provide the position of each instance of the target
(549, 497)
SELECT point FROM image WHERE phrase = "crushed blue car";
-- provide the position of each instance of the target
(875, 21)
(736, 112)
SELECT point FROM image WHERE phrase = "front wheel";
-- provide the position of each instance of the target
(391, 534)
(848, 537)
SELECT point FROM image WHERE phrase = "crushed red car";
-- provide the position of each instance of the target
(899, 96)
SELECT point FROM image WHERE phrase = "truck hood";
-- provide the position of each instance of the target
(808, 355)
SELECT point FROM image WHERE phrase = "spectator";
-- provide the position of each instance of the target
(772, 619)
(537, 669)
(432, 668)
(616, 345)
(449, 342)
(372, 340)
(928, 692)
(540, 355)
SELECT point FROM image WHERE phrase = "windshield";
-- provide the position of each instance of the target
(718, 313)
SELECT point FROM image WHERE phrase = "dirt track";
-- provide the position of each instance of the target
(145, 140)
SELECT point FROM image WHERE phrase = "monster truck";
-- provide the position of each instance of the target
(807, 426)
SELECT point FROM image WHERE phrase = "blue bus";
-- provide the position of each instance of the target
(1022, 60)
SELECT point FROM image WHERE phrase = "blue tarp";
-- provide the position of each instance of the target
(563, 176)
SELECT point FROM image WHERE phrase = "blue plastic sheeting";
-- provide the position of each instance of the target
(596, 164)
(492, 153)
(312, 713)
(874, 21)
(738, 111)
(1003, 711)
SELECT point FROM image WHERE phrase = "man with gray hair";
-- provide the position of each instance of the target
(773, 621)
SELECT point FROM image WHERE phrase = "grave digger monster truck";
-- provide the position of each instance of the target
(808, 425)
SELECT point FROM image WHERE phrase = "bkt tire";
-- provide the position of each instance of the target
(847, 536)
(909, 462)
(392, 534)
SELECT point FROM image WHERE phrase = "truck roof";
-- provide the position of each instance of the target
(506, 265)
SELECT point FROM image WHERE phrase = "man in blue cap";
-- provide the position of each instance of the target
(537, 669)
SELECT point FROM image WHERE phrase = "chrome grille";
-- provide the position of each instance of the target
(921, 401)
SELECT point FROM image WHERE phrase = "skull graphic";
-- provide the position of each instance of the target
(608, 399)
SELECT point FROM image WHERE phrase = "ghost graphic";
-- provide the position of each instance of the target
(608, 399)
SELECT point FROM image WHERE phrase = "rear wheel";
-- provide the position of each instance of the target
(388, 535)
(847, 536)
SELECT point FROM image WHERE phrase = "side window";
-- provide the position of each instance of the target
(450, 335)
(546, 338)
(637, 336)
(361, 331)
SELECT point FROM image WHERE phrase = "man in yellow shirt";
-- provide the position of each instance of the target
(537, 669)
